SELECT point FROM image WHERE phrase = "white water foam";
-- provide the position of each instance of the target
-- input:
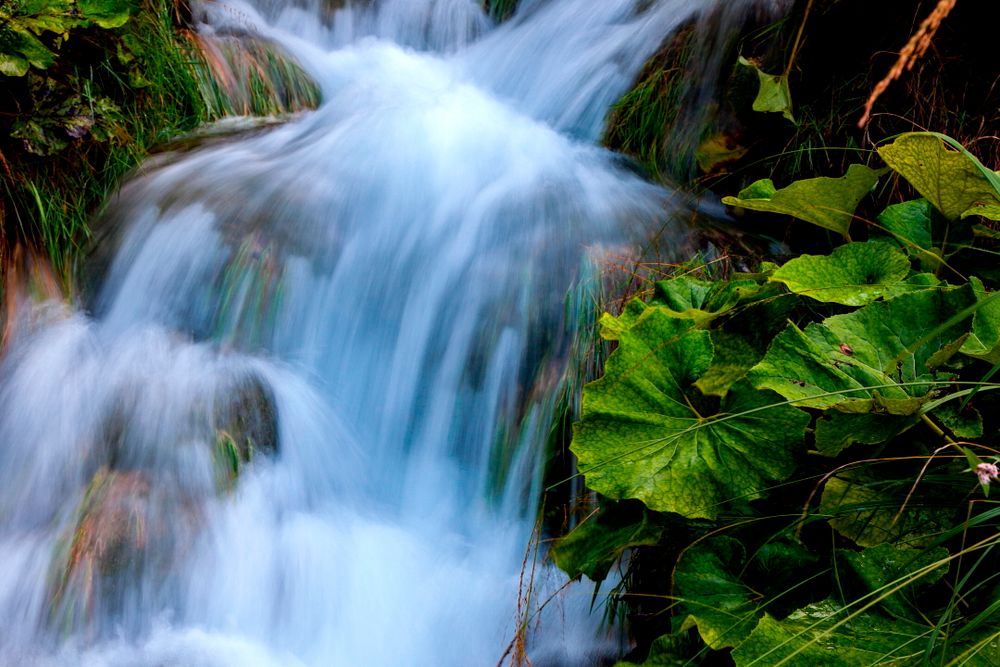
(386, 280)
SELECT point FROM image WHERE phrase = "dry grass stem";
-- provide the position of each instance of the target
(911, 53)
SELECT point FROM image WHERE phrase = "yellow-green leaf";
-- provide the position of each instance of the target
(773, 94)
(955, 181)
(854, 274)
(823, 201)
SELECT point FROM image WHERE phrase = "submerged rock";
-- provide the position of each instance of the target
(105, 542)
(246, 427)
(136, 521)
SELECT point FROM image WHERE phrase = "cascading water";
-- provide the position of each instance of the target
(301, 422)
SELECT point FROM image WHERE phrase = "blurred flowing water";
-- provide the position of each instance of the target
(376, 304)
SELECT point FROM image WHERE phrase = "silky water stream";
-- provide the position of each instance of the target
(300, 418)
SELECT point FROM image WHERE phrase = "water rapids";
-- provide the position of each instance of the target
(300, 418)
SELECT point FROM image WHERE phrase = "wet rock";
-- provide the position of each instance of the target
(246, 427)
(106, 541)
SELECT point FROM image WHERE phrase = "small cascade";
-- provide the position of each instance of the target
(299, 418)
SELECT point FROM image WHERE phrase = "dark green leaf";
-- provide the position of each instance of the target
(734, 357)
(861, 509)
(711, 594)
(884, 568)
(966, 423)
(824, 634)
(835, 430)
(910, 223)
(594, 546)
(984, 342)
(666, 651)
(647, 433)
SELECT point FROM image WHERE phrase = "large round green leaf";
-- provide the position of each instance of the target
(711, 594)
(876, 353)
(854, 274)
(953, 180)
(647, 433)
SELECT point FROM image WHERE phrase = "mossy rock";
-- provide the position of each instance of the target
(246, 427)
(106, 542)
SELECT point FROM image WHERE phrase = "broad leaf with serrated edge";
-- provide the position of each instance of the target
(868, 351)
(734, 357)
(862, 509)
(853, 274)
(686, 297)
(953, 180)
(711, 594)
(593, 547)
(835, 430)
(882, 570)
(984, 340)
(646, 433)
(910, 222)
(823, 201)
(820, 635)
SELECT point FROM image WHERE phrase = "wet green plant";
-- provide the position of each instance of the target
(247, 75)
(810, 446)
(500, 10)
(90, 87)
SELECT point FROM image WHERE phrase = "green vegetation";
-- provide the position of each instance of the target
(812, 443)
(500, 9)
(792, 443)
(90, 87)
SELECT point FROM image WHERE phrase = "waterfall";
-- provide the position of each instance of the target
(298, 418)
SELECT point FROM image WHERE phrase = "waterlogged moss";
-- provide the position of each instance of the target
(105, 542)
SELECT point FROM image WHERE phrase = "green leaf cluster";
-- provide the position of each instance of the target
(31, 31)
(813, 436)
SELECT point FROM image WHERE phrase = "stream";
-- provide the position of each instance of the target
(298, 416)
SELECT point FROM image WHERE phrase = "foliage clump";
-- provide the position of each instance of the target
(807, 449)
(91, 86)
